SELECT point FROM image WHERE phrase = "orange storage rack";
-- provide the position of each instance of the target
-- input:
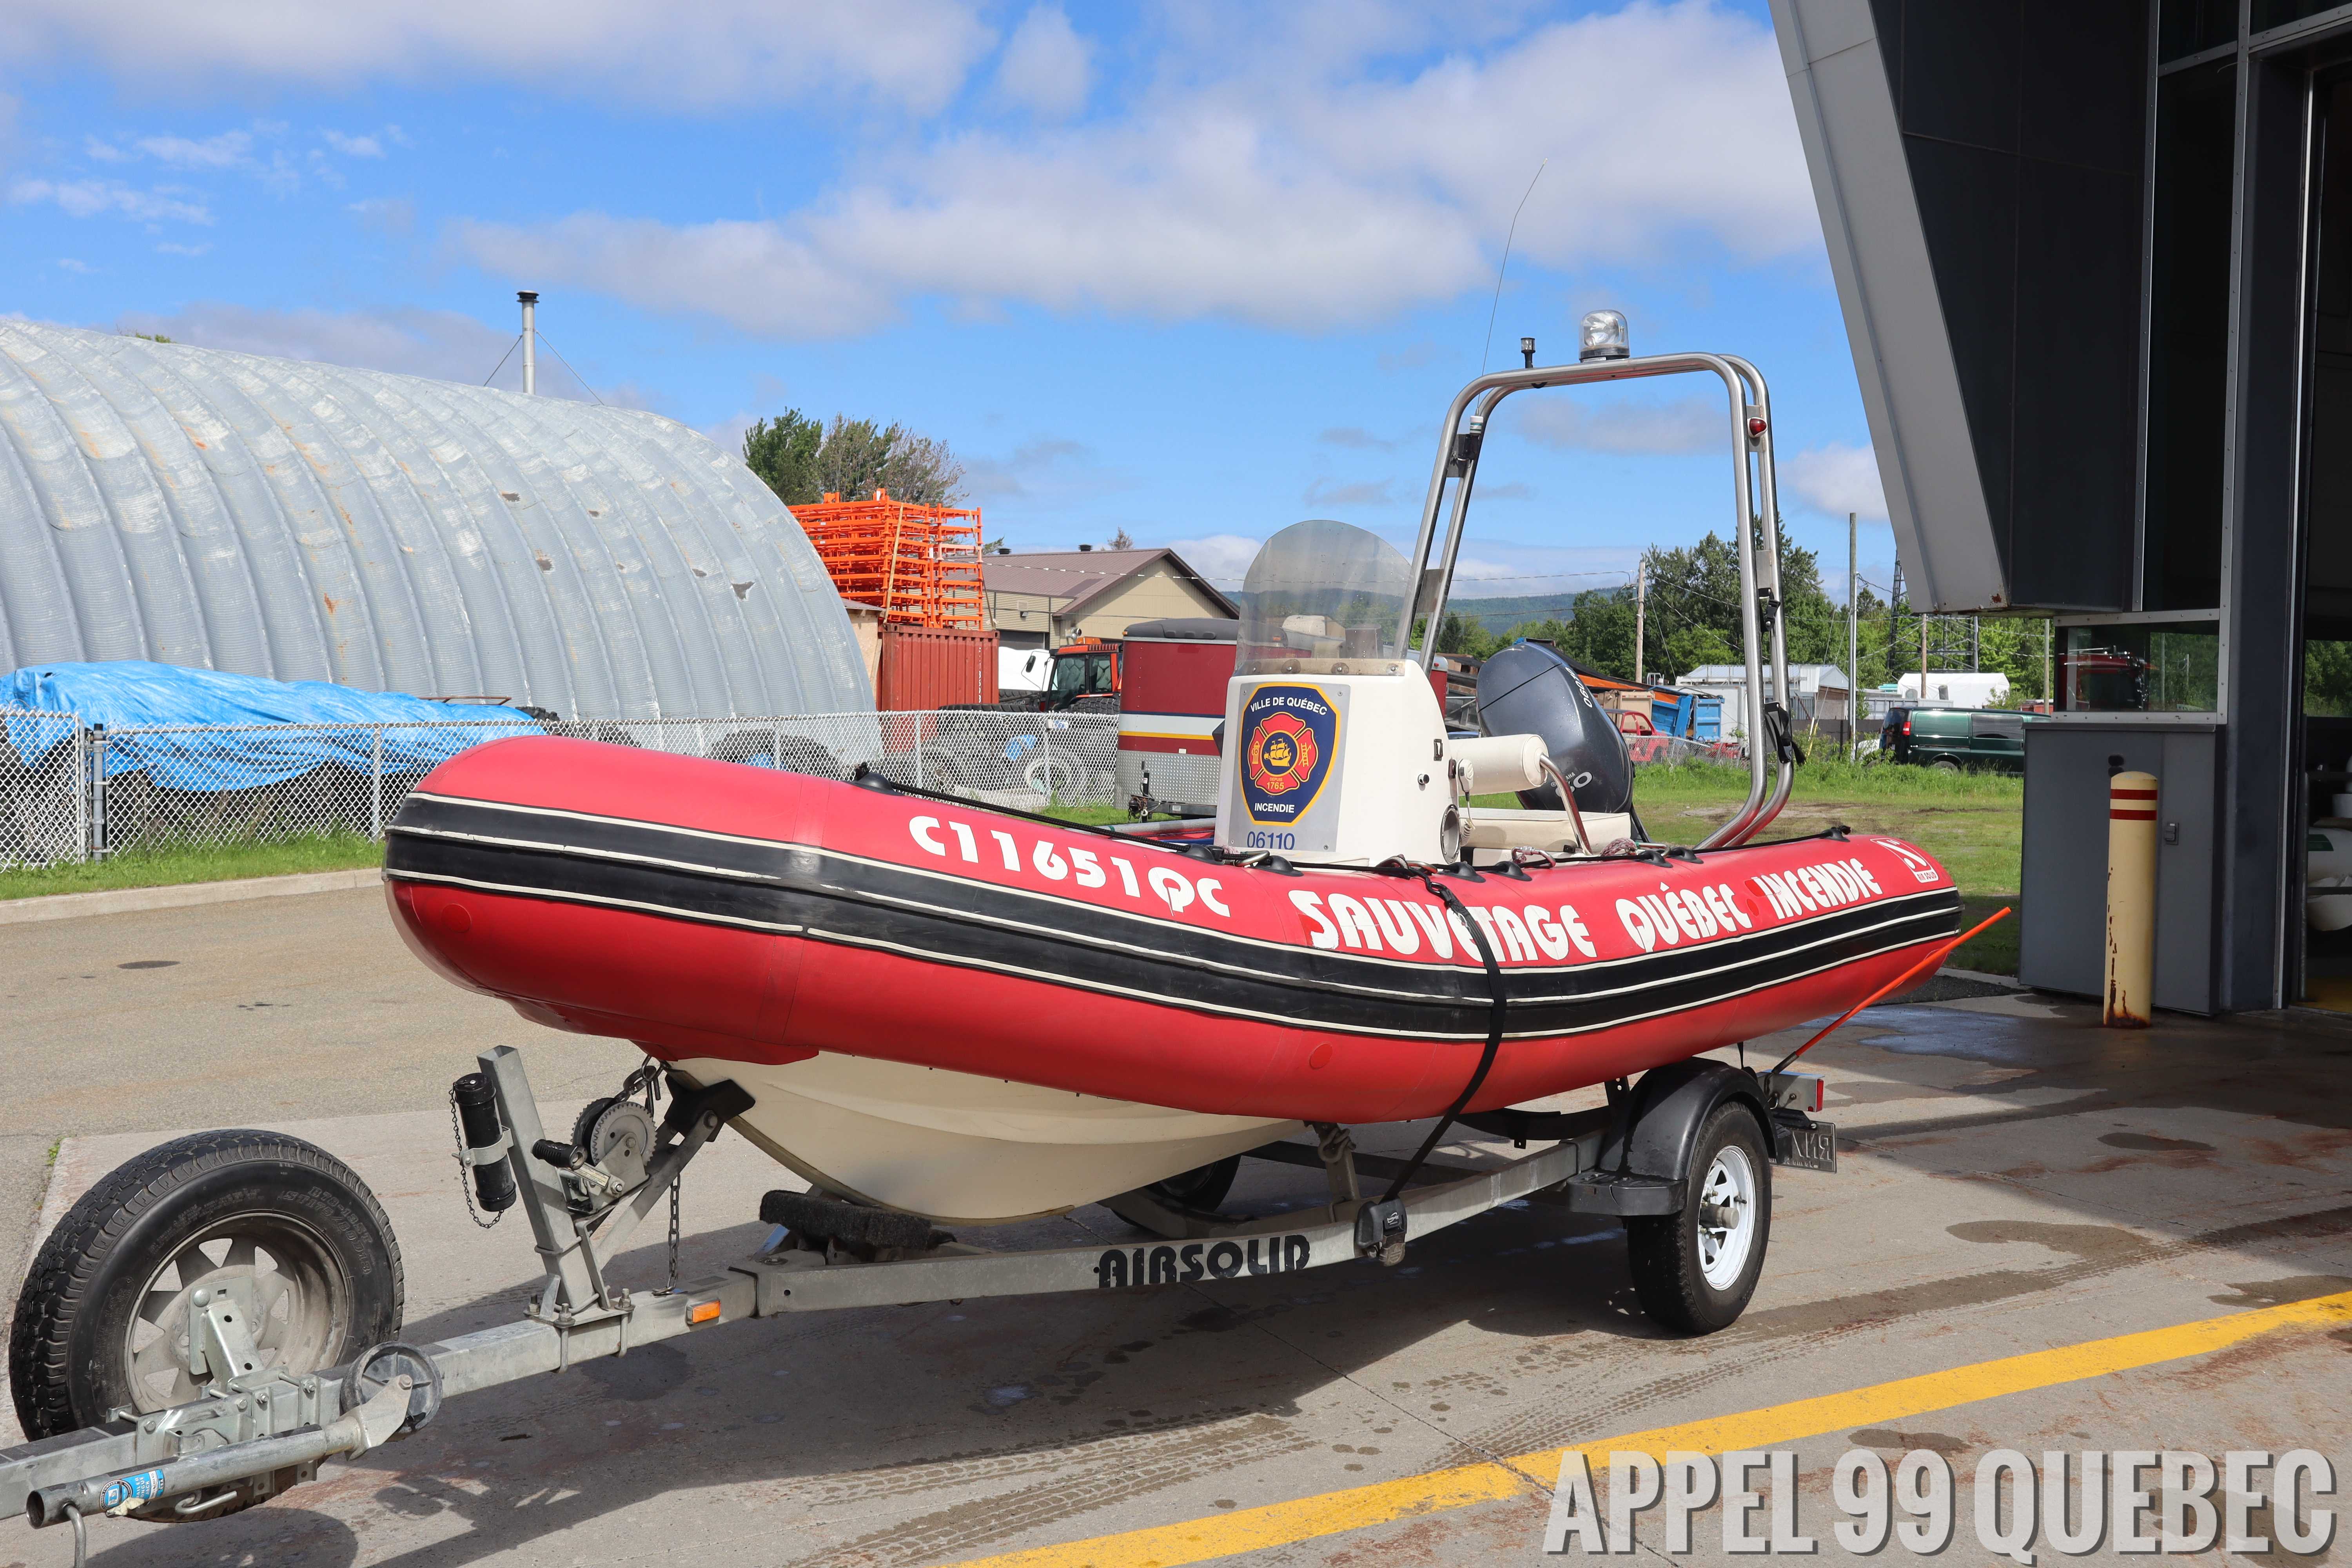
(919, 565)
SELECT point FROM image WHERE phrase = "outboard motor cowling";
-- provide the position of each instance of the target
(1528, 689)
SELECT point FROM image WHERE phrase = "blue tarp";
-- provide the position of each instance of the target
(135, 695)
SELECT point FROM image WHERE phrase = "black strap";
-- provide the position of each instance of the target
(1494, 1033)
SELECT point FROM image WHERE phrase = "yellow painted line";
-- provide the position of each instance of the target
(1529, 1475)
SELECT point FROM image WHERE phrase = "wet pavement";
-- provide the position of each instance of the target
(2014, 1180)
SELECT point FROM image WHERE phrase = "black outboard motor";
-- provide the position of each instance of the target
(1528, 689)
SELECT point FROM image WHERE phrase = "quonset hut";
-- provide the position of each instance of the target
(309, 522)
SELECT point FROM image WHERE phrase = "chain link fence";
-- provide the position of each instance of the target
(76, 791)
(43, 804)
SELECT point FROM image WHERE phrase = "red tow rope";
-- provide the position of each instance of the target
(1934, 960)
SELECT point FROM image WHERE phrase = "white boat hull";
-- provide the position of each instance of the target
(965, 1150)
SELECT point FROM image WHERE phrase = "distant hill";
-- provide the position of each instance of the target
(1501, 614)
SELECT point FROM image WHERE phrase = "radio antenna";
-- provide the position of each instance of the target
(1487, 347)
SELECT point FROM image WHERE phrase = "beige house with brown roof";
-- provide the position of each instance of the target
(1046, 598)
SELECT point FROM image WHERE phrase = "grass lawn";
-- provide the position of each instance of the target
(158, 867)
(1971, 822)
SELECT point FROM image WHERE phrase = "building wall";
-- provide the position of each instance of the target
(1022, 615)
(307, 522)
(1150, 595)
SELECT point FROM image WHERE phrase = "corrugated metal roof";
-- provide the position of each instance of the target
(311, 522)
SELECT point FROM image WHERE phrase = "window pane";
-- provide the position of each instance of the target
(2191, 25)
(2174, 667)
(2189, 338)
(2327, 681)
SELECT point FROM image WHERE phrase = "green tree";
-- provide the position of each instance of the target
(1461, 635)
(783, 452)
(802, 461)
(2327, 679)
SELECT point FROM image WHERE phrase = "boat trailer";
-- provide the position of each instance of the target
(258, 1429)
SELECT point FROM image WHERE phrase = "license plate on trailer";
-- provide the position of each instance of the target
(1811, 1147)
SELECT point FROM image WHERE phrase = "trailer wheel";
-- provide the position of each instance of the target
(1201, 1188)
(1695, 1271)
(102, 1322)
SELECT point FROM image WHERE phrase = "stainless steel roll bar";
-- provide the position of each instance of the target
(1756, 535)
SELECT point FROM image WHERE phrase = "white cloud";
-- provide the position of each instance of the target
(89, 198)
(729, 432)
(1689, 425)
(70, 265)
(1222, 558)
(1259, 187)
(1046, 67)
(991, 480)
(353, 146)
(443, 344)
(914, 53)
(394, 215)
(1361, 493)
(1487, 568)
(229, 149)
(169, 249)
(751, 274)
(1837, 479)
(1493, 569)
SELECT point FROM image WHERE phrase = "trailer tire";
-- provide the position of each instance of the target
(1201, 1188)
(332, 1287)
(1697, 1283)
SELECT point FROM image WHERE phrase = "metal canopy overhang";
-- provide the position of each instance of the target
(1895, 319)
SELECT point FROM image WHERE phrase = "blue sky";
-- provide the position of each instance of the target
(1192, 270)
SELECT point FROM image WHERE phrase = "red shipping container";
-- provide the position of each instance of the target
(930, 667)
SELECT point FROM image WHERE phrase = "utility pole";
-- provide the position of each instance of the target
(1853, 644)
(1641, 616)
(1894, 628)
(2049, 697)
(1923, 656)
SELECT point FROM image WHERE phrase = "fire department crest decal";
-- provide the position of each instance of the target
(1289, 736)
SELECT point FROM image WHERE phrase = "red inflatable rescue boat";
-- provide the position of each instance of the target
(978, 1016)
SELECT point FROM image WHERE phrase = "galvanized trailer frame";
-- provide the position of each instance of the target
(272, 1428)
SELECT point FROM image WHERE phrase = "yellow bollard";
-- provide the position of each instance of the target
(2131, 901)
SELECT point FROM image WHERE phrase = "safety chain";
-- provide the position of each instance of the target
(649, 1077)
(674, 1184)
(465, 1170)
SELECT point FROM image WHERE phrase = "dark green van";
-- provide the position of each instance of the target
(1952, 738)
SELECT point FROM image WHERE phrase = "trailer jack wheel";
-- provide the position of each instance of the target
(1693, 1271)
(274, 1238)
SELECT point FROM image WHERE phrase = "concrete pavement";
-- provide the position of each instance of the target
(2016, 1179)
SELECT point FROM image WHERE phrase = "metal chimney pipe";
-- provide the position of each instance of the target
(530, 300)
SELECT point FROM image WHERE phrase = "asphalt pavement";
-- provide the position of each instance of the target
(2020, 1193)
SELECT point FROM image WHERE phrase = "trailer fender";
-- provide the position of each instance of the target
(1659, 1119)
